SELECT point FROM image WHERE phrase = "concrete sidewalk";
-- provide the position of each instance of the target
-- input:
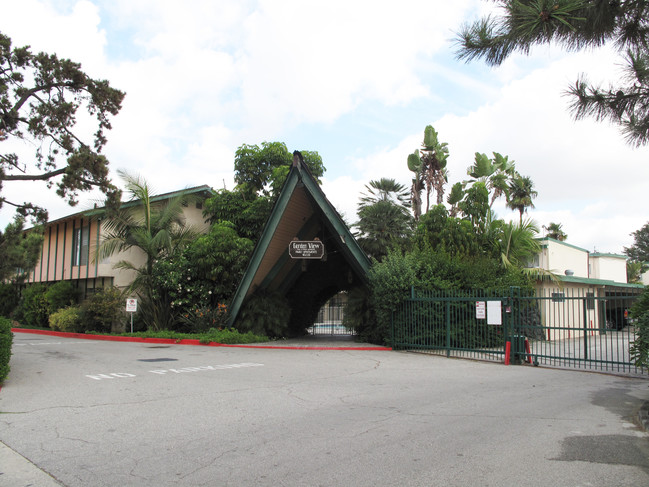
(17, 471)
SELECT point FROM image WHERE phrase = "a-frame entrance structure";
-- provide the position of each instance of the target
(303, 213)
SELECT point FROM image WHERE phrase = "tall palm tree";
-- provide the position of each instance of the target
(521, 194)
(156, 229)
(415, 165)
(434, 158)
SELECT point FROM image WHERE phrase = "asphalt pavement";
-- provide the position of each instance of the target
(83, 412)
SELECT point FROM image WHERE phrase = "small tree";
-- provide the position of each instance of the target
(639, 251)
(19, 251)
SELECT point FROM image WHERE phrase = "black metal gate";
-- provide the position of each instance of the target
(331, 317)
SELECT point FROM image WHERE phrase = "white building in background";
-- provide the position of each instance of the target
(591, 293)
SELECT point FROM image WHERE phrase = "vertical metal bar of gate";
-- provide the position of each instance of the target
(448, 328)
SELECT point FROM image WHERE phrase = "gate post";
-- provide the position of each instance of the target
(584, 303)
(514, 317)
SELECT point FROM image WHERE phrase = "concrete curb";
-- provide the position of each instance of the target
(172, 341)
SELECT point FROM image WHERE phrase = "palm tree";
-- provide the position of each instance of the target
(555, 231)
(496, 173)
(517, 245)
(521, 194)
(156, 229)
(454, 198)
(383, 217)
(415, 165)
(435, 155)
(385, 190)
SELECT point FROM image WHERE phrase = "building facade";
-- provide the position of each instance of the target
(69, 251)
(590, 292)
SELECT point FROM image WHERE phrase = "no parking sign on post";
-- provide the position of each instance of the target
(131, 307)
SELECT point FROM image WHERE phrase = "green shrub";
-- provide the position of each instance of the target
(6, 339)
(640, 313)
(230, 335)
(65, 319)
(640, 347)
(203, 318)
(392, 279)
(33, 308)
(60, 295)
(265, 313)
(104, 311)
(9, 299)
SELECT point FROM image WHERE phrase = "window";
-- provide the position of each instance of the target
(80, 243)
(590, 300)
(558, 297)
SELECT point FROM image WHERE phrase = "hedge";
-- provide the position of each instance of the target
(6, 339)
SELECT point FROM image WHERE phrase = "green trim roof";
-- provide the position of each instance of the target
(126, 204)
(550, 239)
(617, 256)
(301, 211)
(598, 282)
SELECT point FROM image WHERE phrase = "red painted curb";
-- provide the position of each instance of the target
(184, 341)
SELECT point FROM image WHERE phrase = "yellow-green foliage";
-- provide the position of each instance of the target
(65, 319)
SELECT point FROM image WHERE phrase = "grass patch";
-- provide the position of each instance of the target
(228, 336)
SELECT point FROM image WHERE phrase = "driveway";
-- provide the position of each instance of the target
(96, 413)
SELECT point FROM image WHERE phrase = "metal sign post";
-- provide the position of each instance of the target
(131, 307)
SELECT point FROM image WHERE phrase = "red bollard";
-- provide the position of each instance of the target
(508, 351)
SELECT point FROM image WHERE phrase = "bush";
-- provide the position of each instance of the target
(230, 335)
(6, 339)
(60, 295)
(9, 299)
(640, 313)
(640, 347)
(33, 308)
(203, 318)
(265, 313)
(65, 319)
(104, 311)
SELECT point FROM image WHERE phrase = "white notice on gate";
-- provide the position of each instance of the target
(494, 313)
(480, 310)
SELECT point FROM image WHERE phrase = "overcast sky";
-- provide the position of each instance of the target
(356, 81)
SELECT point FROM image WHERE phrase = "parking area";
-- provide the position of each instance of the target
(104, 413)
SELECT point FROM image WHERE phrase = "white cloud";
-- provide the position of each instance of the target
(204, 77)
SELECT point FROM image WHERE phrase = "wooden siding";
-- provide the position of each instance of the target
(57, 252)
